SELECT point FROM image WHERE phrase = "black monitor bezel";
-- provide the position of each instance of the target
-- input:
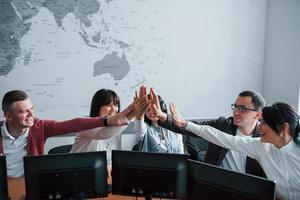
(214, 178)
(122, 160)
(35, 165)
(3, 179)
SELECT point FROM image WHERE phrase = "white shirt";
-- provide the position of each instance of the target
(157, 139)
(234, 160)
(14, 149)
(99, 139)
(281, 165)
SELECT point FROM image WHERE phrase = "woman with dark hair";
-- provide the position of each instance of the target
(277, 150)
(152, 137)
(105, 103)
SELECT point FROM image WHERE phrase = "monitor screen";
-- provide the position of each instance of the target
(3, 179)
(66, 176)
(211, 182)
(149, 175)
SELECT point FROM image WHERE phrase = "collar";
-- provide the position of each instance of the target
(156, 126)
(239, 133)
(6, 134)
(289, 147)
(254, 133)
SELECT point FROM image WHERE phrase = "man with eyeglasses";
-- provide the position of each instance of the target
(246, 113)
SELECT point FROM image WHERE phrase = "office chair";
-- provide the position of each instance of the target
(195, 153)
(60, 149)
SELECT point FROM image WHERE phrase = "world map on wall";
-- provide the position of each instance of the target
(92, 42)
(60, 52)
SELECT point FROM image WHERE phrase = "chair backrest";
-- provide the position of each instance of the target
(195, 153)
(139, 145)
(60, 149)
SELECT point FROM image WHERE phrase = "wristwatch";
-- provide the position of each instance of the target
(105, 120)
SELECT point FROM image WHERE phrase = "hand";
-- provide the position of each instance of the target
(141, 106)
(178, 120)
(131, 114)
(155, 106)
(121, 119)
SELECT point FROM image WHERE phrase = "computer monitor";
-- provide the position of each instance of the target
(211, 182)
(3, 179)
(66, 176)
(149, 175)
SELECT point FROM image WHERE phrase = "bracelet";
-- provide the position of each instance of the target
(105, 119)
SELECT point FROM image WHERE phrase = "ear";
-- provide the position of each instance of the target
(284, 127)
(7, 115)
(258, 115)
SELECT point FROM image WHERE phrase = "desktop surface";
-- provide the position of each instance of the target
(16, 190)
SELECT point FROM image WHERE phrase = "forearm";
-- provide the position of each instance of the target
(243, 145)
(74, 125)
(168, 124)
(102, 133)
(139, 127)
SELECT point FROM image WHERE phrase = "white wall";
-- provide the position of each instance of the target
(282, 52)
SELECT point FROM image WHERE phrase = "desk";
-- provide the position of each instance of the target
(16, 191)
(16, 188)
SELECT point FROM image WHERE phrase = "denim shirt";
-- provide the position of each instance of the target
(158, 139)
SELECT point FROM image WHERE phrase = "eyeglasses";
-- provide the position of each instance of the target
(241, 108)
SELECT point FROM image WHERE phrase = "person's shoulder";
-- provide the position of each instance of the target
(220, 121)
(37, 122)
(227, 120)
(224, 124)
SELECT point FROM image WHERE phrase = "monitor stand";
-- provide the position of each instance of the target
(148, 197)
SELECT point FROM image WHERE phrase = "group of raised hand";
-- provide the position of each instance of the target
(141, 103)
